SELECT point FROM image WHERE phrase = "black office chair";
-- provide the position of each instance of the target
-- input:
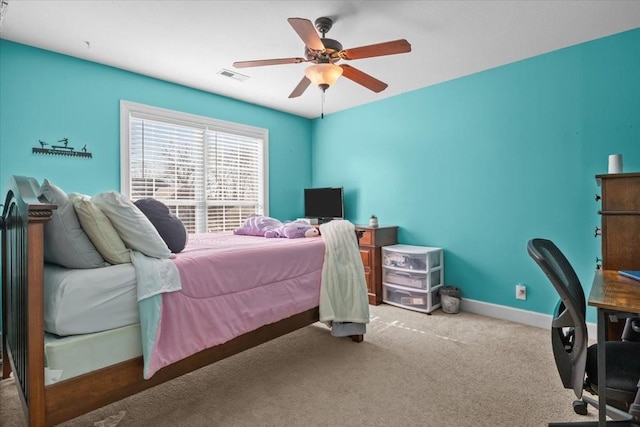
(631, 330)
(577, 363)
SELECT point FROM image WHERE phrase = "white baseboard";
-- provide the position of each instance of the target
(517, 315)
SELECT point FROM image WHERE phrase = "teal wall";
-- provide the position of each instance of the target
(481, 164)
(47, 96)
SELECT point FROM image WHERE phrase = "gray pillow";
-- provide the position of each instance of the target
(169, 226)
(65, 242)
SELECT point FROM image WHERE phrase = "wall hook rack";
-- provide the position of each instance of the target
(61, 150)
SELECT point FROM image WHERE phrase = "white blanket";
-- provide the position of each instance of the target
(343, 290)
(155, 275)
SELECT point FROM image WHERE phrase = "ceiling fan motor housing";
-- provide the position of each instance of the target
(332, 48)
(331, 53)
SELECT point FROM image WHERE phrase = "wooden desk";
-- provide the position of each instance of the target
(610, 293)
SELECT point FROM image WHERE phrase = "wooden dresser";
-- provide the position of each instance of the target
(620, 220)
(372, 239)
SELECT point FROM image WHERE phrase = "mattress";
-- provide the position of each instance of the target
(67, 357)
(83, 301)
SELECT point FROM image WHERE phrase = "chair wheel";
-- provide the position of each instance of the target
(580, 407)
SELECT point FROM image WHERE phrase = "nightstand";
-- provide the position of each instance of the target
(372, 239)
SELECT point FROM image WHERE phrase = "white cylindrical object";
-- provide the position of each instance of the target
(615, 163)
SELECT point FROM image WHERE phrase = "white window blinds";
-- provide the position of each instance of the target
(211, 174)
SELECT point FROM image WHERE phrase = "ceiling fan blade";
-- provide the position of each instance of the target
(362, 78)
(379, 49)
(262, 62)
(307, 33)
(302, 86)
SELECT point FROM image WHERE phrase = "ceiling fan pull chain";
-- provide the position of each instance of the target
(322, 106)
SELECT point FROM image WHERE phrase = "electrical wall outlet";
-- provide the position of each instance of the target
(521, 291)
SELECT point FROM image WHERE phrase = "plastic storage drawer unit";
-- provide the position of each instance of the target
(412, 276)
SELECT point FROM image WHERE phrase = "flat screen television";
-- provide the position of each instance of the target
(324, 203)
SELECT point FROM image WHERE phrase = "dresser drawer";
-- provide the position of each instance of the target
(366, 238)
(621, 194)
(619, 246)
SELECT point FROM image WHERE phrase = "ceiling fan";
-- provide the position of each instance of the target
(324, 53)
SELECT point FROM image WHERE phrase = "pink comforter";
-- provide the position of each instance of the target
(231, 285)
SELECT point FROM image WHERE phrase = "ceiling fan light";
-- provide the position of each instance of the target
(323, 75)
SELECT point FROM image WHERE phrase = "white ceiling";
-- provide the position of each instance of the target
(189, 42)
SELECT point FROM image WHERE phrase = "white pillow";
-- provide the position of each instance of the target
(133, 227)
(100, 230)
(65, 242)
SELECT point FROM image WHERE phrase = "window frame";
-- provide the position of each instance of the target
(140, 111)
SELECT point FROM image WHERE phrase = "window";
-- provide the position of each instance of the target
(212, 174)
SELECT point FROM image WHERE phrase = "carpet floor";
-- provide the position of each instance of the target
(412, 369)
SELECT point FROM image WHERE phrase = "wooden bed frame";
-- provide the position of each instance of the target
(24, 215)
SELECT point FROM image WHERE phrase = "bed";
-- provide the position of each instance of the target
(24, 296)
